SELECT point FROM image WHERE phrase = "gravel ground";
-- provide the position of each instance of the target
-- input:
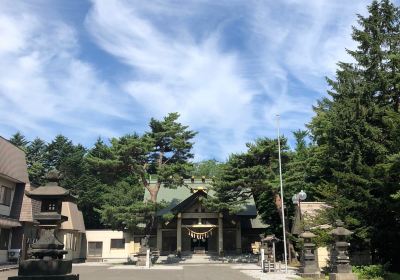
(186, 272)
(258, 274)
(100, 271)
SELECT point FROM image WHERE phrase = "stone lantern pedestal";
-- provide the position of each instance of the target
(309, 267)
(341, 260)
(46, 254)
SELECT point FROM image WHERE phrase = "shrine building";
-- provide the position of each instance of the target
(196, 229)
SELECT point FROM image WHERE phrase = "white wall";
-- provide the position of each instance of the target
(322, 257)
(105, 236)
(5, 210)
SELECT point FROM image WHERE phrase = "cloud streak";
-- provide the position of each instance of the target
(45, 88)
(228, 67)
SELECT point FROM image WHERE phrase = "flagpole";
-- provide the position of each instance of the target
(282, 204)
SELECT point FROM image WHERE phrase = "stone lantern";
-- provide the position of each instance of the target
(46, 254)
(309, 268)
(340, 260)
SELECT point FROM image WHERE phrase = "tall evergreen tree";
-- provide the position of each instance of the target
(356, 132)
(36, 160)
(19, 140)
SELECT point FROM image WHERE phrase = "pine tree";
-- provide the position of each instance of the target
(163, 152)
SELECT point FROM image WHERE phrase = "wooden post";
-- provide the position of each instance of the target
(220, 234)
(179, 234)
(238, 237)
(159, 237)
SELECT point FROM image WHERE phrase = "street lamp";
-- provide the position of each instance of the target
(297, 198)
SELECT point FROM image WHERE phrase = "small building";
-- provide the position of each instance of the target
(110, 246)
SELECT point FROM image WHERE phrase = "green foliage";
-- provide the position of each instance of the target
(126, 164)
(376, 272)
(253, 174)
(36, 160)
(354, 164)
(170, 151)
(19, 140)
(208, 168)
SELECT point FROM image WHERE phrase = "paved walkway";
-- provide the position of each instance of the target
(169, 272)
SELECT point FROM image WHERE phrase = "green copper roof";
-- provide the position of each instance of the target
(176, 196)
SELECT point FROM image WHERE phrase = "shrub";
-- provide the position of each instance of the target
(376, 272)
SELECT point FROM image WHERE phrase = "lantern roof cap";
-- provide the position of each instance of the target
(270, 238)
(51, 189)
(307, 234)
(340, 230)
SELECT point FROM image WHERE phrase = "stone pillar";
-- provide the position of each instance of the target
(159, 237)
(179, 234)
(340, 260)
(238, 237)
(220, 234)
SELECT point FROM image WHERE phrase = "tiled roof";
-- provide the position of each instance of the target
(29, 207)
(12, 162)
(308, 211)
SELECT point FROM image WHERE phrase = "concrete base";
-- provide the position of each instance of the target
(312, 275)
(43, 267)
(46, 277)
(343, 276)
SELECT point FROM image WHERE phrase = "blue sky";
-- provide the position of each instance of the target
(102, 68)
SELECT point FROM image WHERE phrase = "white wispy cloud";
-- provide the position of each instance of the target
(230, 94)
(44, 87)
(174, 72)
(227, 66)
(300, 41)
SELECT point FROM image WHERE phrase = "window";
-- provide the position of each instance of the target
(95, 249)
(118, 243)
(49, 206)
(4, 238)
(5, 195)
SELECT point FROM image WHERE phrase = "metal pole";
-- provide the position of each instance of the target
(282, 205)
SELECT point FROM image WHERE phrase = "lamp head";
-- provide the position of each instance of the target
(295, 199)
(302, 195)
